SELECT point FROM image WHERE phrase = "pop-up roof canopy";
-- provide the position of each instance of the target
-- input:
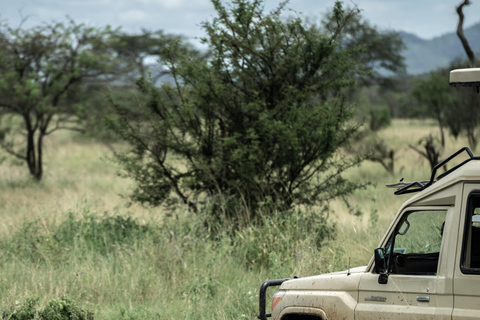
(465, 77)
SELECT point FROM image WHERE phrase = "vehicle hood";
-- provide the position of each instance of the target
(347, 280)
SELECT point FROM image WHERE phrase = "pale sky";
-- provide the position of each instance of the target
(425, 18)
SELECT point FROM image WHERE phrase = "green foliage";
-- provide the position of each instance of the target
(41, 74)
(184, 271)
(464, 116)
(378, 118)
(23, 311)
(263, 117)
(64, 309)
(435, 94)
(138, 50)
(56, 309)
(381, 57)
(102, 235)
(258, 246)
(138, 55)
(454, 108)
(375, 148)
(268, 245)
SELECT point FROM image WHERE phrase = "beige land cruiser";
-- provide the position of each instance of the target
(427, 265)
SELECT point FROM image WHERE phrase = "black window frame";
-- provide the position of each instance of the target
(466, 229)
(391, 241)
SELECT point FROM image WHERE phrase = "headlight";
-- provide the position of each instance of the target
(277, 297)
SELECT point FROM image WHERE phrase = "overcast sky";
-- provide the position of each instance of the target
(425, 18)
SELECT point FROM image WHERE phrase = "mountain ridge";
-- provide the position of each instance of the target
(422, 56)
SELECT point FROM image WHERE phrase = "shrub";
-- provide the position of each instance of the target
(23, 311)
(56, 309)
(100, 234)
(89, 233)
(271, 243)
(378, 118)
(64, 309)
(263, 117)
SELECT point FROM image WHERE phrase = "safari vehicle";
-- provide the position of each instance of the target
(427, 265)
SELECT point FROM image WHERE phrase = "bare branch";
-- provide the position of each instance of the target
(461, 35)
(8, 148)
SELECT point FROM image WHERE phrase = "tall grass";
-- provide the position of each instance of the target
(74, 235)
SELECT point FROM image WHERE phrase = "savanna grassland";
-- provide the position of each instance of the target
(74, 234)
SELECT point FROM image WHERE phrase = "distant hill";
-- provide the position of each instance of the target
(422, 56)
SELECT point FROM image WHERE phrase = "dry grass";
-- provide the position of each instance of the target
(182, 276)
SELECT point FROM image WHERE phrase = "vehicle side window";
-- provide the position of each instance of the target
(470, 262)
(416, 243)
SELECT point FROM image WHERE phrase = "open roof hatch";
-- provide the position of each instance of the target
(469, 77)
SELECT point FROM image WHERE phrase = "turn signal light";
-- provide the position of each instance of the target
(277, 297)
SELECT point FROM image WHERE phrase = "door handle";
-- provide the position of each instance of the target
(423, 298)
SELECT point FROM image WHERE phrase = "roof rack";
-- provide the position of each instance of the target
(410, 187)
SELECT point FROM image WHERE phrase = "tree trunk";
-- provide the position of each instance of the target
(34, 155)
(39, 164)
(440, 123)
(472, 139)
(31, 156)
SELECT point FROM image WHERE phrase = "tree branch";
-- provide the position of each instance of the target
(9, 149)
(461, 35)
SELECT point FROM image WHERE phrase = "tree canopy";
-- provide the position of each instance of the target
(382, 50)
(39, 67)
(457, 110)
(260, 121)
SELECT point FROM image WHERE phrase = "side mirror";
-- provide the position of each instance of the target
(381, 265)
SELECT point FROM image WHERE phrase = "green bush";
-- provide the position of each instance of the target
(30, 242)
(64, 309)
(235, 133)
(56, 309)
(23, 311)
(378, 118)
(89, 233)
(270, 243)
(101, 234)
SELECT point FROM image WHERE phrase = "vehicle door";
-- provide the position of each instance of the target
(467, 271)
(414, 288)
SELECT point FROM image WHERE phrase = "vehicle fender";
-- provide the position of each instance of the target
(324, 304)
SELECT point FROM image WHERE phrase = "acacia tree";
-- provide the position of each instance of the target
(260, 121)
(38, 69)
(382, 55)
(435, 94)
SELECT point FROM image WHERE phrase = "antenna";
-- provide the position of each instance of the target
(348, 272)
